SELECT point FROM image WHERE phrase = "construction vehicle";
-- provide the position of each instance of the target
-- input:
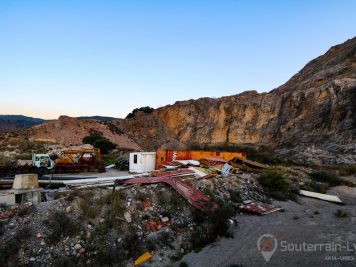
(80, 160)
(40, 164)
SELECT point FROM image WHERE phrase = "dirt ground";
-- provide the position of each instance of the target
(311, 221)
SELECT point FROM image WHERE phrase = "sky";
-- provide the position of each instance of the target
(78, 58)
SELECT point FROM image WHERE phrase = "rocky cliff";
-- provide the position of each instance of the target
(317, 106)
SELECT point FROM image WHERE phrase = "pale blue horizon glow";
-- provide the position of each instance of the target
(82, 58)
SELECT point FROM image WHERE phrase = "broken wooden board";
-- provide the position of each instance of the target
(330, 198)
(199, 172)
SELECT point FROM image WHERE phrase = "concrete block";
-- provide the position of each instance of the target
(7, 199)
(25, 181)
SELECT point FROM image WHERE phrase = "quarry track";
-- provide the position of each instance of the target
(296, 225)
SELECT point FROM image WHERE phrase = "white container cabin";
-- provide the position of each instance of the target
(141, 162)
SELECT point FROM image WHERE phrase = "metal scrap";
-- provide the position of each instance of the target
(192, 195)
(247, 165)
(258, 207)
(330, 198)
(144, 257)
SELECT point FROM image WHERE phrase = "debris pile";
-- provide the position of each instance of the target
(150, 217)
(131, 220)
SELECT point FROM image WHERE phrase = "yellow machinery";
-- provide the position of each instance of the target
(80, 160)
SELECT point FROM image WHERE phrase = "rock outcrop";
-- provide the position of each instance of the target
(316, 106)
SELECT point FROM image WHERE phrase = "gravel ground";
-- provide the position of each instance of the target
(311, 221)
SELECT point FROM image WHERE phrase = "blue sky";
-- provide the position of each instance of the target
(109, 57)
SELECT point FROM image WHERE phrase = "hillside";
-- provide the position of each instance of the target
(69, 131)
(315, 107)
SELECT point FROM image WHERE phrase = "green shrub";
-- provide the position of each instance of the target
(109, 159)
(60, 224)
(99, 141)
(86, 204)
(211, 226)
(274, 180)
(116, 208)
(105, 145)
(325, 177)
(348, 170)
(92, 138)
(315, 187)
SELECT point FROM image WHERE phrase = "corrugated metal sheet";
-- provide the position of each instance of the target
(195, 197)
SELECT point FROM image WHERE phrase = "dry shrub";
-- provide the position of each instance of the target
(60, 225)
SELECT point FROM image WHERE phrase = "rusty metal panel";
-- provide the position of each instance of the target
(195, 197)
(163, 156)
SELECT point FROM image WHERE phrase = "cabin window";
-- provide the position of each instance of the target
(135, 159)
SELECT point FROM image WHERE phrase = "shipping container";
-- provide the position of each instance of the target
(141, 162)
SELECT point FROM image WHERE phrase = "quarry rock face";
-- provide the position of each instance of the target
(317, 106)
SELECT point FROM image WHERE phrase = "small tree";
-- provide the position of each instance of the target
(99, 141)
(105, 145)
(92, 138)
(274, 181)
(144, 109)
